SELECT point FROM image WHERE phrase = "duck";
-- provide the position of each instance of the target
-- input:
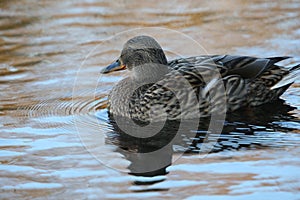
(185, 88)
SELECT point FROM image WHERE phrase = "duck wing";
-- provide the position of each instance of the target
(245, 66)
(251, 69)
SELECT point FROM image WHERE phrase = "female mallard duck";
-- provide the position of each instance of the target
(191, 87)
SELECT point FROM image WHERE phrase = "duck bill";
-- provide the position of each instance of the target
(115, 66)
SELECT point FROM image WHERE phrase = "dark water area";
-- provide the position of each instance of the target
(58, 142)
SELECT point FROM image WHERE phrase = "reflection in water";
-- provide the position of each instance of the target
(148, 156)
(248, 128)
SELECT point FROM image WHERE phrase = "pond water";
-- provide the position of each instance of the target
(57, 141)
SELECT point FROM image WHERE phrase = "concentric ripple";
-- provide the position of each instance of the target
(64, 109)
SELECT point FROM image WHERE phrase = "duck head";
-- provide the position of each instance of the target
(141, 55)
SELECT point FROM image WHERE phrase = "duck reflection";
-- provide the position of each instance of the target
(150, 156)
(261, 118)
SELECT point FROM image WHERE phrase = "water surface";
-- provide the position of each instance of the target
(57, 141)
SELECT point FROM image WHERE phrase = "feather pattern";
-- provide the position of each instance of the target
(196, 86)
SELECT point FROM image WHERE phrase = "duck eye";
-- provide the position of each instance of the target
(119, 61)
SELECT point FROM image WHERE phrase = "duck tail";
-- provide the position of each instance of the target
(295, 68)
(290, 78)
(274, 60)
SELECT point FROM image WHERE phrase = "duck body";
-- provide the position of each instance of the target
(192, 87)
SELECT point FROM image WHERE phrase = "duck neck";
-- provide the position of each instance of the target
(149, 73)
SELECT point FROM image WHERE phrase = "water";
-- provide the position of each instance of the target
(57, 141)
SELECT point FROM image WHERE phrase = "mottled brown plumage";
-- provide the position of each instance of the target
(192, 87)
